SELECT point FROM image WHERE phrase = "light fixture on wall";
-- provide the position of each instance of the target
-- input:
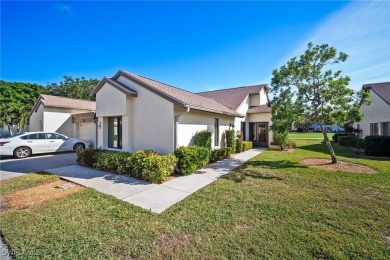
(232, 126)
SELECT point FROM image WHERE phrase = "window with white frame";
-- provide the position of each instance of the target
(374, 129)
(385, 126)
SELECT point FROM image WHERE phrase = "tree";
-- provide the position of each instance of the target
(79, 88)
(308, 88)
(16, 101)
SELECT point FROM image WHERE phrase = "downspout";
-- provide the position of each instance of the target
(176, 127)
(96, 121)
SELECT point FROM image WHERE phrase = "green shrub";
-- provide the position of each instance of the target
(284, 141)
(377, 145)
(230, 140)
(137, 163)
(239, 146)
(350, 141)
(220, 154)
(85, 157)
(247, 145)
(203, 138)
(336, 136)
(192, 158)
(111, 161)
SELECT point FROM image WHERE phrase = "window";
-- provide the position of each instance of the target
(385, 128)
(374, 129)
(216, 132)
(115, 132)
(243, 130)
(34, 136)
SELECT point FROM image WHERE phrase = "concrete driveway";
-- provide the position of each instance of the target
(11, 167)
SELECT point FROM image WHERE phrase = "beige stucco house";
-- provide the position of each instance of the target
(135, 112)
(376, 116)
(68, 116)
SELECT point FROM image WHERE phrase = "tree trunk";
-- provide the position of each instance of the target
(326, 139)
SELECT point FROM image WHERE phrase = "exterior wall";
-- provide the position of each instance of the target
(86, 131)
(195, 121)
(242, 109)
(263, 97)
(36, 120)
(261, 117)
(147, 120)
(254, 100)
(377, 112)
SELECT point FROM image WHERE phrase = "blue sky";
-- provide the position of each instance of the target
(197, 46)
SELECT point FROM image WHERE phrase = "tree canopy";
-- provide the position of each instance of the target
(79, 88)
(308, 89)
(16, 101)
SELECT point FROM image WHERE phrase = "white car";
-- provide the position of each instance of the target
(23, 145)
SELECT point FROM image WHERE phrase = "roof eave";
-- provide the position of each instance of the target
(105, 80)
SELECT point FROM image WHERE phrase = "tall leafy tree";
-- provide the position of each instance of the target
(16, 101)
(309, 89)
(79, 88)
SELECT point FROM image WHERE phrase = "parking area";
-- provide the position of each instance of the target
(11, 167)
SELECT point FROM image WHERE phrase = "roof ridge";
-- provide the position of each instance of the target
(258, 85)
(67, 98)
(384, 82)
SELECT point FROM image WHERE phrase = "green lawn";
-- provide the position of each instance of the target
(272, 207)
(308, 135)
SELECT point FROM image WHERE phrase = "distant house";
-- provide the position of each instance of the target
(376, 116)
(335, 128)
(68, 116)
(134, 112)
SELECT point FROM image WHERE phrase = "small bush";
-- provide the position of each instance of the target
(377, 145)
(350, 141)
(111, 161)
(247, 145)
(336, 136)
(192, 158)
(284, 141)
(220, 154)
(137, 163)
(203, 139)
(239, 146)
(85, 157)
(230, 140)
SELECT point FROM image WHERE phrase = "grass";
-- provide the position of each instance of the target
(307, 135)
(271, 207)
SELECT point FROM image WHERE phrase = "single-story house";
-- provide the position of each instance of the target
(376, 116)
(68, 116)
(135, 112)
(335, 128)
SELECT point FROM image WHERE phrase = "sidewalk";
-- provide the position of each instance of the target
(153, 197)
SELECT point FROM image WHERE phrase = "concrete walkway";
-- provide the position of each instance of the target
(153, 197)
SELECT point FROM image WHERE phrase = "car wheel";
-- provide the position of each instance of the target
(22, 152)
(78, 146)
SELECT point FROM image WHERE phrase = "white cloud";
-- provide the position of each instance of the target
(362, 30)
(64, 8)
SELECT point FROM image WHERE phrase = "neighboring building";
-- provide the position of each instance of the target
(376, 116)
(68, 116)
(328, 128)
(135, 112)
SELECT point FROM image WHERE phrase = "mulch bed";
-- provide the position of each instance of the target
(34, 196)
(327, 164)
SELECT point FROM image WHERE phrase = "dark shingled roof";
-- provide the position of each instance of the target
(381, 89)
(177, 95)
(233, 97)
(259, 109)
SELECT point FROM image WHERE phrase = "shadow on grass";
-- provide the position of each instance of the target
(243, 174)
(283, 164)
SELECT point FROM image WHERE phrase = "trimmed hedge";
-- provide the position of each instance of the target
(239, 146)
(220, 154)
(247, 145)
(151, 166)
(336, 136)
(111, 161)
(192, 158)
(377, 145)
(230, 140)
(350, 141)
(203, 138)
(85, 156)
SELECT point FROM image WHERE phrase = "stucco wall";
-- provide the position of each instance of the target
(195, 121)
(378, 111)
(263, 97)
(242, 109)
(254, 100)
(110, 102)
(36, 120)
(86, 131)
